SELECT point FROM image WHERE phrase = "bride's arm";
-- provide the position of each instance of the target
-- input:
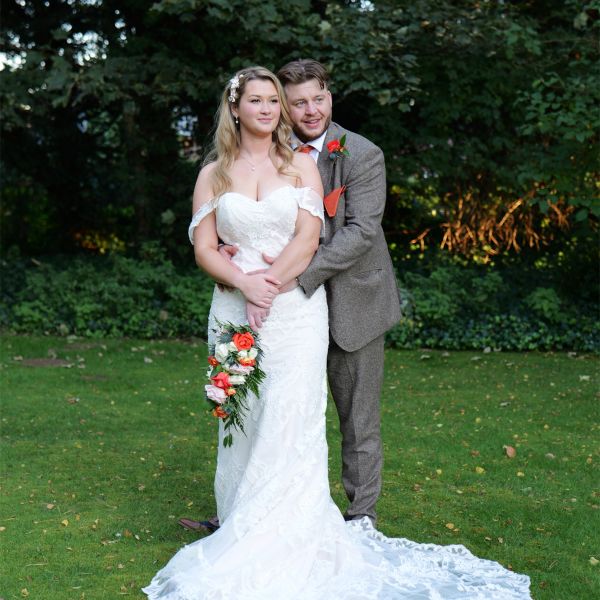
(260, 288)
(296, 256)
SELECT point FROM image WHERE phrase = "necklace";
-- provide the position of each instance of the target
(253, 167)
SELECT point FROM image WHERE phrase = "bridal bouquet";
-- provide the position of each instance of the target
(234, 371)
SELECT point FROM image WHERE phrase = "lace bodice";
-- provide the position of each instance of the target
(260, 226)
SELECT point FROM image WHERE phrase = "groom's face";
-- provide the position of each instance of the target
(310, 108)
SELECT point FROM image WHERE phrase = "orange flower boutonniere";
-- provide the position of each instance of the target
(337, 148)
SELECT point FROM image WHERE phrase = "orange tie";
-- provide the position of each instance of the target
(304, 149)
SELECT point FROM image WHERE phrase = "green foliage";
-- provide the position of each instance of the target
(496, 100)
(446, 306)
(460, 307)
(105, 297)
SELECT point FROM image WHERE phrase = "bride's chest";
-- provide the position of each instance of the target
(240, 217)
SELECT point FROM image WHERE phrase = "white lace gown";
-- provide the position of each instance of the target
(281, 535)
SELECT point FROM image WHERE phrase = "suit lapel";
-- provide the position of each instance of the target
(324, 164)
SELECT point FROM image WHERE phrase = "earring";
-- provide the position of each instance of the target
(237, 121)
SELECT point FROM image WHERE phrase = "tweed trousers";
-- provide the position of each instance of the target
(355, 380)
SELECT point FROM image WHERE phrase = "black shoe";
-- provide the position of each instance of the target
(211, 525)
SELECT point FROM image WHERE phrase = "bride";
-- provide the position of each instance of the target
(281, 535)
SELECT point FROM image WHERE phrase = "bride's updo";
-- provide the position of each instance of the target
(226, 140)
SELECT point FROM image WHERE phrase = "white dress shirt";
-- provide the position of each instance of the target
(317, 144)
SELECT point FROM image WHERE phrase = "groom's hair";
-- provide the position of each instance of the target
(302, 70)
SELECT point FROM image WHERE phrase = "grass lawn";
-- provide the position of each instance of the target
(105, 444)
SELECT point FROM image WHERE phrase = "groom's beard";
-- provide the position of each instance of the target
(309, 137)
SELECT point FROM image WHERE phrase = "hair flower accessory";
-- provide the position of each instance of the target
(337, 148)
(234, 84)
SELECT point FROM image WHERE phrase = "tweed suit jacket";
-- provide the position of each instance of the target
(353, 260)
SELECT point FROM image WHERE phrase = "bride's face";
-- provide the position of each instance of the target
(259, 108)
(310, 108)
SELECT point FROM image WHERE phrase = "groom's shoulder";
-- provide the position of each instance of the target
(355, 141)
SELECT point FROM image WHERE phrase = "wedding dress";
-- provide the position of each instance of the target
(281, 535)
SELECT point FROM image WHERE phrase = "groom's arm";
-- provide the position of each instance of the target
(364, 205)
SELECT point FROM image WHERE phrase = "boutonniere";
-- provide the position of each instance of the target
(337, 148)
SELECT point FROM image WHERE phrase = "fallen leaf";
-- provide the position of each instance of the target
(509, 451)
(474, 452)
(24, 592)
(64, 522)
(594, 561)
(2, 528)
(450, 526)
(49, 506)
(520, 474)
(550, 456)
(479, 470)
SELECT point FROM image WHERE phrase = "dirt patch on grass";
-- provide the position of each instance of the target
(46, 362)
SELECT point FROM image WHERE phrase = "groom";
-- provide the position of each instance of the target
(354, 264)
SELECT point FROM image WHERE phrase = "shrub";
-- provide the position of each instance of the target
(451, 306)
(97, 297)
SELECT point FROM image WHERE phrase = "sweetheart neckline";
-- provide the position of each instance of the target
(271, 193)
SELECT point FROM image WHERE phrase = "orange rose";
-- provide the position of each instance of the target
(230, 391)
(247, 362)
(243, 341)
(220, 413)
(334, 146)
(221, 380)
(213, 361)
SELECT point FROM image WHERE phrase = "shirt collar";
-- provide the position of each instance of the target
(317, 144)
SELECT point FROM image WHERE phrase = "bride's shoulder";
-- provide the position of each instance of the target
(203, 190)
(304, 164)
(308, 172)
(302, 161)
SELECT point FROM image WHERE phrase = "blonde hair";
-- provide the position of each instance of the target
(227, 136)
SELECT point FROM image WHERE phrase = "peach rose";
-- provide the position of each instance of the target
(215, 394)
(213, 361)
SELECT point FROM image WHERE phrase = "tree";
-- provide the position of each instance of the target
(485, 110)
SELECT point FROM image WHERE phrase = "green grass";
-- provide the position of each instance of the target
(102, 456)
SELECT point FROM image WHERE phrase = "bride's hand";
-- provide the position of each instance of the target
(260, 289)
(256, 315)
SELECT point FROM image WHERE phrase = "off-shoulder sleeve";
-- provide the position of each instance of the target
(202, 212)
(309, 200)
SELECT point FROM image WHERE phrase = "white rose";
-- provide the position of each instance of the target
(221, 352)
(236, 379)
(232, 347)
(243, 354)
(252, 353)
